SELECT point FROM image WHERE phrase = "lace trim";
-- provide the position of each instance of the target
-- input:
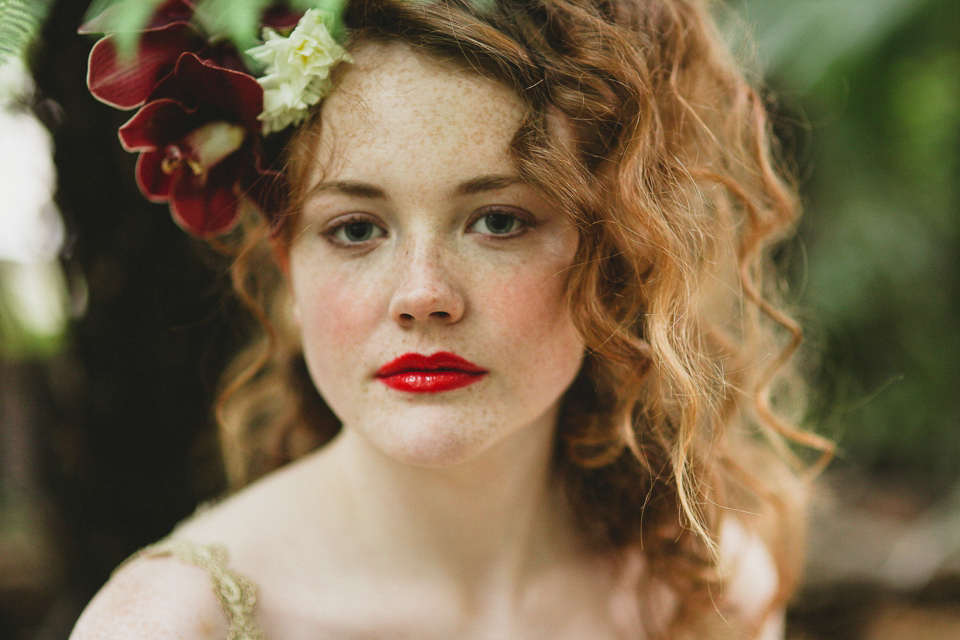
(236, 593)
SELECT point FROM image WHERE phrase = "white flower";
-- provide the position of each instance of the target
(297, 70)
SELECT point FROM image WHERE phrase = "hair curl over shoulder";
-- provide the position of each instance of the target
(678, 201)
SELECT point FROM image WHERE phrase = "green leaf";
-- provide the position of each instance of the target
(236, 20)
(20, 21)
(800, 39)
(333, 9)
(123, 18)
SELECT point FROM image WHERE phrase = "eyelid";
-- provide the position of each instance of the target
(527, 220)
(334, 225)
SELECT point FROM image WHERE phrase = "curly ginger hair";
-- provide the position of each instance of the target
(678, 201)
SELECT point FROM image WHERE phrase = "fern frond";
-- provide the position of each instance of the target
(20, 21)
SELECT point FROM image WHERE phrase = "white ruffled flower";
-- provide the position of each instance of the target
(297, 70)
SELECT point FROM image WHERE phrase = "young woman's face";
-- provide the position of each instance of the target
(418, 239)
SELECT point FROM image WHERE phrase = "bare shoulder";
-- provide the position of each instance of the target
(752, 594)
(153, 598)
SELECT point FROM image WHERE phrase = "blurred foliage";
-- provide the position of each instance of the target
(20, 21)
(236, 20)
(873, 92)
(32, 313)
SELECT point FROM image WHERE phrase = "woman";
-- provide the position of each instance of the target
(516, 372)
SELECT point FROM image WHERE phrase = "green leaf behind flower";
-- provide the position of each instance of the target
(124, 18)
(232, 20)
(333, 9)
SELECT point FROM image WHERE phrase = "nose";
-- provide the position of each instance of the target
(426, 292)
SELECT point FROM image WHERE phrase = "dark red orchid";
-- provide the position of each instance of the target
(197, 130)
(198, 142)
(127, 83)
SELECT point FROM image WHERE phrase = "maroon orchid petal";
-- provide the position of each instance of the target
(280, 17)
(156, 124)
(208, 208)
(224, 54)
(171, 12)
(153, 181)
(194, 171)
(126, 84)
(231, 94)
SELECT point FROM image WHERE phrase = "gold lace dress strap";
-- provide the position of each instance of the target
(236, 593)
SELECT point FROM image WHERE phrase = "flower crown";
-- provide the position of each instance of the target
(203, 115)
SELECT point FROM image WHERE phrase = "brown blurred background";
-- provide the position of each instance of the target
(114, 325)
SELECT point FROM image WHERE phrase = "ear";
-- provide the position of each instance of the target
(281, 253)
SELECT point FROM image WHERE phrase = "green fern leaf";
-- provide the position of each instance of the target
(20, 21)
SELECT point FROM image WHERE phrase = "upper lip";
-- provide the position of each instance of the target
(440, 361)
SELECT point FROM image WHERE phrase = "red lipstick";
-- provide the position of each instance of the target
(416, 373)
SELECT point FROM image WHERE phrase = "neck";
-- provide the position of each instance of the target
(489, 522)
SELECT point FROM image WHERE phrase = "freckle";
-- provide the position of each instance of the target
(207, 628)
(478, 136)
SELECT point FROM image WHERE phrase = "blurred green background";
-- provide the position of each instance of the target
(870, 110)
(107, 438)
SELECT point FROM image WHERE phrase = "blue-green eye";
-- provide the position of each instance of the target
(498, 223)
(356, 231)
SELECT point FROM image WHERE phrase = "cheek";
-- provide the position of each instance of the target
(529, 313)
(525, 301)
(336, 311)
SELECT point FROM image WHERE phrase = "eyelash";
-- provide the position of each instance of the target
(333, 231)
(525, 219)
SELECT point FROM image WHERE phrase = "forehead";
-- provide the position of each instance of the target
(396, 109)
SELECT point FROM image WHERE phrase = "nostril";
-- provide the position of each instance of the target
(423, 304)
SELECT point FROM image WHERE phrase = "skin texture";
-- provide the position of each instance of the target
(430, 515)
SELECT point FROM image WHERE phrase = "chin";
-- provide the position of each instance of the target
(429, 440)
(433, 446)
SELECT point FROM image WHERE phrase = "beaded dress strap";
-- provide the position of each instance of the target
(236, 593)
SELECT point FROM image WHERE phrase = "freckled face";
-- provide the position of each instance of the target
(418, 237)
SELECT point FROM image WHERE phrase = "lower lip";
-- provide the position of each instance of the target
(430, 381)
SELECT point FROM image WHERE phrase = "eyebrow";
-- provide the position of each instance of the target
(348, 187)
(358, 189)
(486, 183)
